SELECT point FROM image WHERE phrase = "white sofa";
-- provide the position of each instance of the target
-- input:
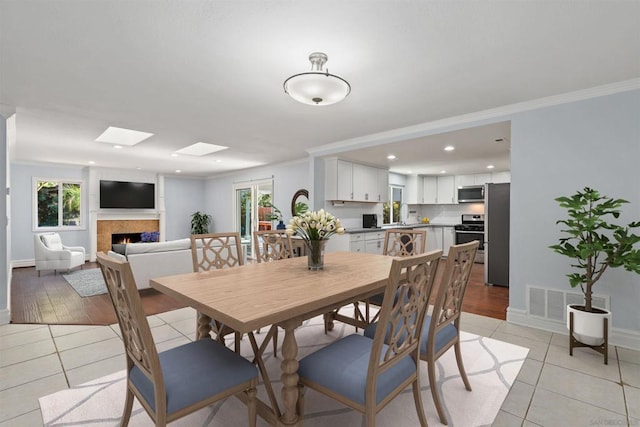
(157, 259)
(51, 254)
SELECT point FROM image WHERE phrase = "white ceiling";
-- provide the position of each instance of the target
(212, 71)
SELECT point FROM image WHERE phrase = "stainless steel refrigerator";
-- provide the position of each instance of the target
(496, 234)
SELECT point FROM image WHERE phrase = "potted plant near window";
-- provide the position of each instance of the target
(200, 223)
(595, 244)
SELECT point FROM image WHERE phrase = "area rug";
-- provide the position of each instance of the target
(491, 365)
(87, 282)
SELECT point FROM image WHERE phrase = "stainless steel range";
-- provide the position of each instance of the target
(472, 228)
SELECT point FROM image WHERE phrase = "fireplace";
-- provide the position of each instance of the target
(116, 232)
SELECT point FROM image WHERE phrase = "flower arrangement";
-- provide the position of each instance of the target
(318, 225)
(314, 228)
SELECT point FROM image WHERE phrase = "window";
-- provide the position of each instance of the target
(249, 216)
(58, 204)
(391, 210)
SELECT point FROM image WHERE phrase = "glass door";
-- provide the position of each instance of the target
(253, 210)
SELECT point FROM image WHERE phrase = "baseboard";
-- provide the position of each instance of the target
(23, 263)
(621, 337)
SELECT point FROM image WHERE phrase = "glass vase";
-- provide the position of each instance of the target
(315, 254)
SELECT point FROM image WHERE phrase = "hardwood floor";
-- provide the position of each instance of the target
(50, 299)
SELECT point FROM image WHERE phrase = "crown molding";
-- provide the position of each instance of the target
(443, 125)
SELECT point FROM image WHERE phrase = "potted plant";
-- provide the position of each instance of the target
(595, 245)
(200, 223)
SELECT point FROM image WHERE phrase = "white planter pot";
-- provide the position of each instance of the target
(588, 328)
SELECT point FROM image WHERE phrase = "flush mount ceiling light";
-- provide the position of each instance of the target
(317, 87)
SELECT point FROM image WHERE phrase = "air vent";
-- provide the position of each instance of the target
(551, 304)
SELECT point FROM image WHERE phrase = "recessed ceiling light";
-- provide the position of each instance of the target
(391, 157)
(201, 149)
(117, 147)
(114, 135)
(443, 171)
(490, 167)
(91, 162)
(178, 171)
(218, 161)
(138, 168)
(174, 155)
(409, 172)
(449, 148)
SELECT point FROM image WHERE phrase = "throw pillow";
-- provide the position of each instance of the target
(52, 241)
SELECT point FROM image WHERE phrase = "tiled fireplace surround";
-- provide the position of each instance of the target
(106, 227)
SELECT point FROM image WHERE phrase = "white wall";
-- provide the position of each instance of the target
(556, 151)
(22, 207)
(287, 179)
(5, 249)
(183, 197)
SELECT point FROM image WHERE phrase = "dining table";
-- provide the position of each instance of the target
(275, 294)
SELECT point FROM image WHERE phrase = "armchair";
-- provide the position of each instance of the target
(51, 254)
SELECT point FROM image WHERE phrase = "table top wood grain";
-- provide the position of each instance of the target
(257, 295)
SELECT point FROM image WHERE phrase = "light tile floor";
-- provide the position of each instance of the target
(552, 389)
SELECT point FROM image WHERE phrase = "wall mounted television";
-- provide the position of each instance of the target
(127, 195)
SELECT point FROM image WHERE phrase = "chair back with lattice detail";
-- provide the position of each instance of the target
(272, 245)
(403, 310)
(136, 334)
(216, 251)
(404, 242)
(448, 303)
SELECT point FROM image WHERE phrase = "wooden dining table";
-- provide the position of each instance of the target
(282, 293)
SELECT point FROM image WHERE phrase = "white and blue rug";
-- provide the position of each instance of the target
(87, 282)
(492, 367)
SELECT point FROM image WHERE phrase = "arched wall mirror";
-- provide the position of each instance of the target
(300, 202)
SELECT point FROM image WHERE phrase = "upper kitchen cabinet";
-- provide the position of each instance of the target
(430, 190)
(500, 177)
(413, 194)
(476, 179)
(446, 190)
(355, 182)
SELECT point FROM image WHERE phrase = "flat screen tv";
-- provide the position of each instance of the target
(127, 195)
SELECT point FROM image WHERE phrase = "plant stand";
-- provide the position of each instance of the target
(602, 348)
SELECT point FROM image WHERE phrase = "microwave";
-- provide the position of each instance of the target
(471, 194)
(369, 221)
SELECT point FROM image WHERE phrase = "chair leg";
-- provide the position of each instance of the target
(128, 405)
(300, 403)
(370, 416)
(417, 397)
(431, 369)
(251, 406)
(238, 338)
(275, 342)
(463, 373)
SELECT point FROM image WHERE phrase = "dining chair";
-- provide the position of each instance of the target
(272, 245)
(367, 374)
(214, 251)
(179, 381)
(441, 330)
(398, 242)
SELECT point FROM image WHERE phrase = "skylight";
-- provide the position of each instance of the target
(121, 136)
(201, 149)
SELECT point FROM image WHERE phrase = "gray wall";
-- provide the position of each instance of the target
(183, 196)
(22, 207)
(287, 179)
(556, 151)
(4, 247)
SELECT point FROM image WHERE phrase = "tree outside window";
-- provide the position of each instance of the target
(391, 210)
(58, 203)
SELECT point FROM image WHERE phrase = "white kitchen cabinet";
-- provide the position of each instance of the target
(446, 190)
(481, 178)
(383, 186)
(374, 242)
(413, 194)
(434, 238)
(365, 183)
(501, 177)
(464, 180)
(338, 179)
(430, 189)
(357, 242)
(448, 239)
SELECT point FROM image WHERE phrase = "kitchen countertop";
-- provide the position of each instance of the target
(416, 225)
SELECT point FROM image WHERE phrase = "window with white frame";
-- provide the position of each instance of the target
(57, 204)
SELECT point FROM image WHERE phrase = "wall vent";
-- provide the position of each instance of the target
(551, 304)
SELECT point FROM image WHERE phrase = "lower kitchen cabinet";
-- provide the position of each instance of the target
(370, 242)
(434, 238)
(448, 239)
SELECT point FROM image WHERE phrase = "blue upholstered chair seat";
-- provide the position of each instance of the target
(195, 371)
(342, 367)
(445, 335)
(377, 299)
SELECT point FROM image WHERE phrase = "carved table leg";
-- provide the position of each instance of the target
(289, 376)
(203, 326)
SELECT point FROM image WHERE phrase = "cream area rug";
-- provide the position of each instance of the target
(491, 365)
(87, 283)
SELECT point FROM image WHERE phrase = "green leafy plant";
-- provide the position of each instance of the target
(200, 223)
(593, 242)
